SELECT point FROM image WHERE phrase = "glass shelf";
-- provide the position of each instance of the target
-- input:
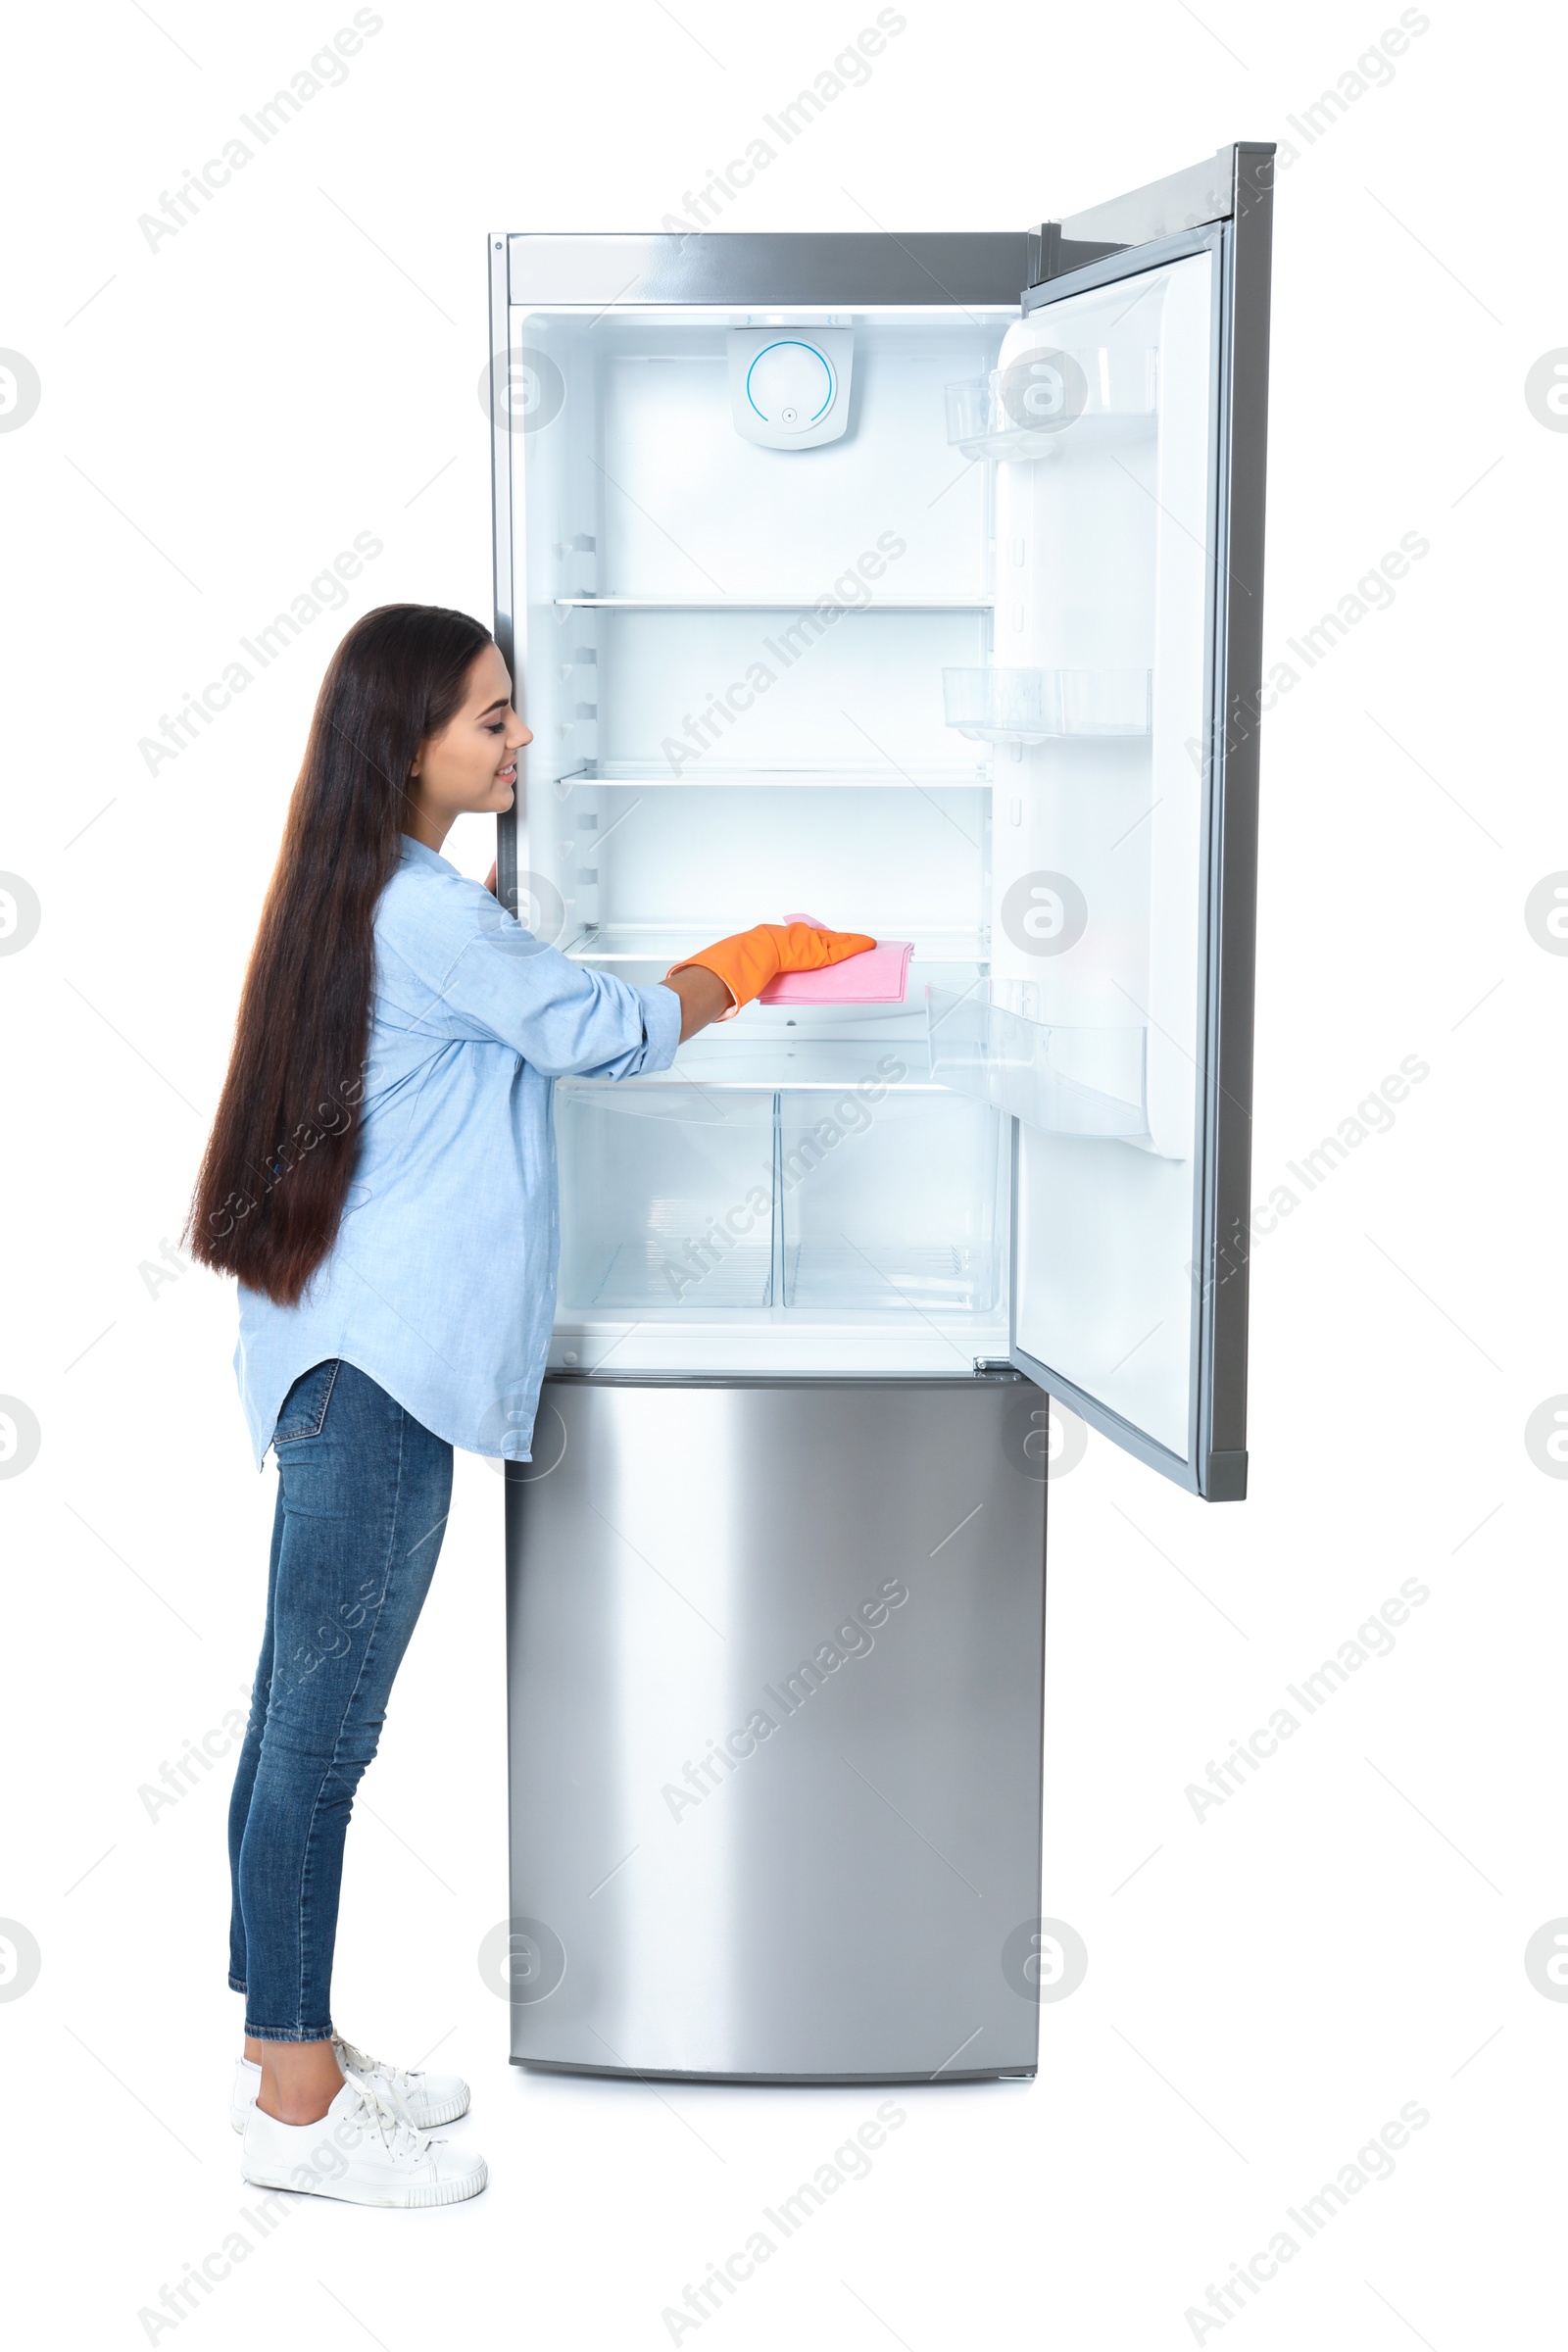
(1062, 1079)
(767, 1065)
(769, 604)
(1035, 408)
(1034, 706)
(823, 1049)
(661, 944)
(647, 773)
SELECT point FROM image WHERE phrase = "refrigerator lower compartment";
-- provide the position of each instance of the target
(705, 1201)
(900, 1213)
(774, 1666)
(667, 1198)
(845, 1277)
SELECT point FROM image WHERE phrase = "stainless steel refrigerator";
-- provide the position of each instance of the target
(914, 583)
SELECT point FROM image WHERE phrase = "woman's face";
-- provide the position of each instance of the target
(471, 766)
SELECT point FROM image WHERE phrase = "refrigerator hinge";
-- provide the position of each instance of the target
(1051, 255)
(995, 1367)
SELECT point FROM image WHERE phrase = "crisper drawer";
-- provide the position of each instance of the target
(888, 1204)
(666, 1197)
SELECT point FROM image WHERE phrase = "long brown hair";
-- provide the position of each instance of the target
(281, 1156)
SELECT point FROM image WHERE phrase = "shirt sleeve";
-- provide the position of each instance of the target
(565, 1019)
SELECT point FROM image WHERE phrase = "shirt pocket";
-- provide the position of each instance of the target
(302, 1413)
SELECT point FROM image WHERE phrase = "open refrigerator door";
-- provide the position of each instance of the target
(940, 618)
(1124, 426)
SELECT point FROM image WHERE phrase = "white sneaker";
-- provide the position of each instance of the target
(363, 2152)
(422, 2101)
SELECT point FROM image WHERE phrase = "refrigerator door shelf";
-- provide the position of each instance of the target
(1059, 1079)
(1031, 705)
(1025, 412)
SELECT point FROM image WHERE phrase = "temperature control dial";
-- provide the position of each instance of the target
(790, 387)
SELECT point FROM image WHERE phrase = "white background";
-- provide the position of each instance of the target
(1344, 1935)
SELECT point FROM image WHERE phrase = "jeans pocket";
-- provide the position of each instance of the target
(302, 1413)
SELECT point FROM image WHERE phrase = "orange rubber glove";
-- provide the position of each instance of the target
(748, 960)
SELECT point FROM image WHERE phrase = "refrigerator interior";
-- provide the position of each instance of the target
(889, 682)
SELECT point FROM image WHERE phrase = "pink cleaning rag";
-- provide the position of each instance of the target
(879, 976)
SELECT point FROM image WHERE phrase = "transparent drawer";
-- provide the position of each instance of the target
(1030, 706)
(666, 1197)
(888, 1204)
(1060, 1079)
(1027, 410)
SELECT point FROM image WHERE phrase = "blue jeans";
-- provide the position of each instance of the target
(362, 1494)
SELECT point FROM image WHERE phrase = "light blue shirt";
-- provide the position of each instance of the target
(441, 1284)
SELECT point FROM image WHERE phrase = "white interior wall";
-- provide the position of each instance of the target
(652, 852)
(693, 509)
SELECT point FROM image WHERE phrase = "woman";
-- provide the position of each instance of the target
(380, 1177)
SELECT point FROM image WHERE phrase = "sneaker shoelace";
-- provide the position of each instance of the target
(398, 2137)
(397, 2080)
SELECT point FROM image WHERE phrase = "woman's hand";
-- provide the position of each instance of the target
(746, 961)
